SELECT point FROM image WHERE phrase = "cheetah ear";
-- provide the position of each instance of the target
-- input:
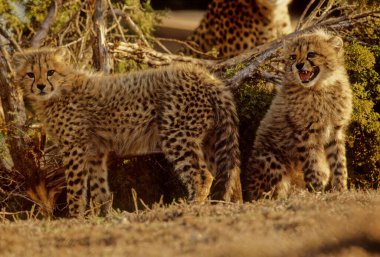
(62, 54)
(336, 42)
(18, 59)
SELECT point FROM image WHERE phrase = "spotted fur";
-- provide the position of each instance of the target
(181, 110)
(231, 27)
(306, 121)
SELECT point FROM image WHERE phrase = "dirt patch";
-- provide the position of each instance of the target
(306, 224)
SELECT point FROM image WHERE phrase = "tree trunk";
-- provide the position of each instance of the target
(101, 56)
(15, 118)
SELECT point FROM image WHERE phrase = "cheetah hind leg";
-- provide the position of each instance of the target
(76, 177)
(189, 164)
(224, 164)
(101, 198)
(267, 177)
(236, 194)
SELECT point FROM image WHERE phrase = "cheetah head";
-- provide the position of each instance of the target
(40, 73)
(313, 57)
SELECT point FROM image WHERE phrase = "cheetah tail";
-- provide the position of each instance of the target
(227, 185)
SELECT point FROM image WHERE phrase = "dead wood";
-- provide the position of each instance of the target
(151, 57)
(39, 37)
(101, 58)
(253, 60)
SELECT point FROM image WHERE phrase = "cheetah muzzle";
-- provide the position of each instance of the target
(308, 76)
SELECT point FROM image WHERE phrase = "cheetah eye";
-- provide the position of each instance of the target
(293, 57)
(50, 72)
(311, 55)
(30, 74)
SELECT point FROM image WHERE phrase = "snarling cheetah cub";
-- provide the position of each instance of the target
(181, 110)
(306, 122)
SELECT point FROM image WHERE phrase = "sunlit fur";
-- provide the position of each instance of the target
(232, 27)
(273, 4)
(181, 110)
(305, 125)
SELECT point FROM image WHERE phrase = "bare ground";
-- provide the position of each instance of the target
(306, 224)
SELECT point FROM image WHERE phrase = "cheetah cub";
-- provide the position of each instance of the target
(304, 127)
(182, 111)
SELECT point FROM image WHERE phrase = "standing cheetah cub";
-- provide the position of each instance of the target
(181, 110)
(306, 122)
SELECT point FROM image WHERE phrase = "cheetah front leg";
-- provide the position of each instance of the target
(264, 176)
(336, 157)
(101, 198)
(76, 177)
(315, 168)
(186, 155)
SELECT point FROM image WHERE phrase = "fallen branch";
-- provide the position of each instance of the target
(186, 44)
(11, 40)
(254, 58)
(131, 25)
(151, 57)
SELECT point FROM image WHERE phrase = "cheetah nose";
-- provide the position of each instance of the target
(299, 66)
(41, 86)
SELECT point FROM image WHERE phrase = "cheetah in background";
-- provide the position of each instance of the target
(306, 121)
(232, 27)
(180, 110)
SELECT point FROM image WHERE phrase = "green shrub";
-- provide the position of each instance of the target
(363, 65)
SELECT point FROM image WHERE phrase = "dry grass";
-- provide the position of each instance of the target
(345, 224)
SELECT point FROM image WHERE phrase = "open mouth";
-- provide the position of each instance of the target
(41, 93)
(307, 76)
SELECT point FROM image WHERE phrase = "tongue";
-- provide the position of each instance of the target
(305, 75)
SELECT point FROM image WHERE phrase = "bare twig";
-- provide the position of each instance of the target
(313, 14)
(116, 21)
(13, 42)
(136, 29)
(301, 20)
(74, 42)
(270, 77)
(186, 44)
(132, 25)
(162, 46)
(7, 58)
(87, 32)
(46, 24)
(72, 18)
(151, 57)
(253, 66)
(326, 13)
